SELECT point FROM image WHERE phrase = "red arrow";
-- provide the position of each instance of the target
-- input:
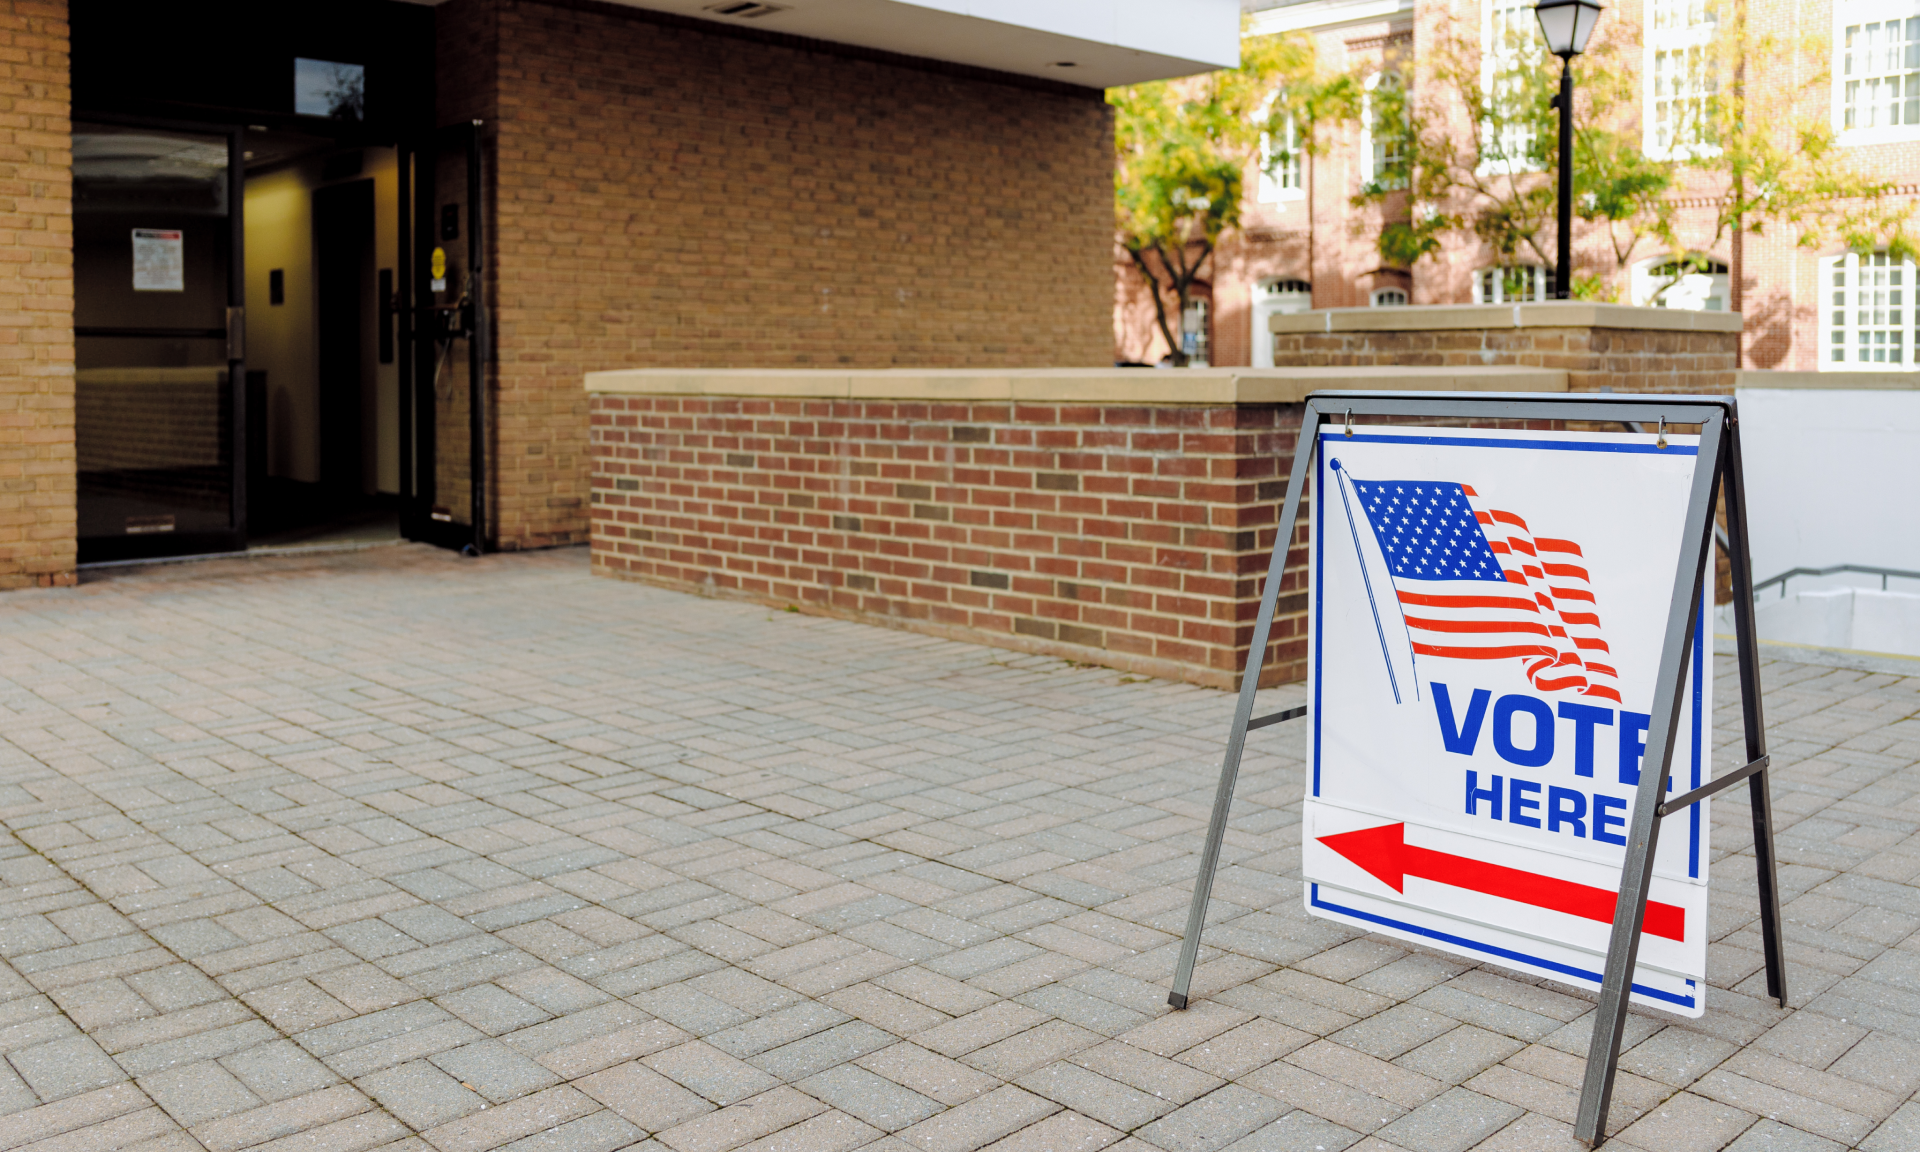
(1385, 853)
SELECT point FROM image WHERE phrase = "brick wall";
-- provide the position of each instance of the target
(1130, 536)
(668, 192)
(37, 526)
(1679, 360)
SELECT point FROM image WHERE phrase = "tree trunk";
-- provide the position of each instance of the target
(1313, 184)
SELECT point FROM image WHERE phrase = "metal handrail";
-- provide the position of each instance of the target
(1863, 569)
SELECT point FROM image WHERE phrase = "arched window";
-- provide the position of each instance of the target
(1512, 284)
(1275, 297)
(1389, 298)
(1693, 283)
(1383, 131)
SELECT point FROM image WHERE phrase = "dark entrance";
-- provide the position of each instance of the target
(246, 230)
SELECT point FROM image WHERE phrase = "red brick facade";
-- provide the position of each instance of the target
(36, 297)
(672, 193)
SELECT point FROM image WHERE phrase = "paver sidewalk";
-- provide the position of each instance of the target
(394, 849)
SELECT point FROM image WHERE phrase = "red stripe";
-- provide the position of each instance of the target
(1476, 626)
(1468, 489)
(1566, 570)
(1590, 644)
(1551, 545)
(1515, 577)
(1580, 618)
(1603, 669)
(1568, 593)
(1483, 653)
(1429, 601)
(1522, 545)
(1509, 518)
(1602, 692)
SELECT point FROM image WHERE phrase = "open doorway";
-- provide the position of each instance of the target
(323, 381)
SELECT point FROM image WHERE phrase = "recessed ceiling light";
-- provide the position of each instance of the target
(744, 9)
(1063, 64)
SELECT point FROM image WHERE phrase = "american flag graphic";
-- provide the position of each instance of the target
(1475, 583)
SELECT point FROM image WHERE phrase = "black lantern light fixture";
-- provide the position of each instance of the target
(1567, 25)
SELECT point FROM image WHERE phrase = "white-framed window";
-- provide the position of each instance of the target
(1868, 298)
(1275, 297)
(1383, 130)
(1388, 298)
(1279, 156)
(1515, 283)
(1509, 39)
(1877, 69)
(1692, 283)
(1680, 79)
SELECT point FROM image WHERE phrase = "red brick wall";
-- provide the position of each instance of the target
(1624, 359)
(666, 193)
(1129, 536)
(37, 527)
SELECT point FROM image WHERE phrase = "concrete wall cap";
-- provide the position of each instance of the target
(1552, 314)
(1187, 386)
(1832, 381)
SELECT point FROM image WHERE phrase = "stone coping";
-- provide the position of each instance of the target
(1830, 381)
(1555, 314)
(1202, 386)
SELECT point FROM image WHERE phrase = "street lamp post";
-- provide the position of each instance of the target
(1566, 24)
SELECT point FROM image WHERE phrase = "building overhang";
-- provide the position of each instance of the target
(1087, 43)
(1321, 15)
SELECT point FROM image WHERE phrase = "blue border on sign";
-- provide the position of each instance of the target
(1319, 647)
(1549, 445)
(1493, 950)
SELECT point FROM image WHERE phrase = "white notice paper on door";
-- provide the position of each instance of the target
(159, 260)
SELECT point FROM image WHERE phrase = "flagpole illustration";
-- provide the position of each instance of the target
(1341, 481)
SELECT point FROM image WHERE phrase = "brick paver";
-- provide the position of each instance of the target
(399, 850)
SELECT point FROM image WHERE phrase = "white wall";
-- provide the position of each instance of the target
(1833, 477)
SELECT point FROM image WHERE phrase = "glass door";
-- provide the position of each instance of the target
(159, 336)
(445, 400)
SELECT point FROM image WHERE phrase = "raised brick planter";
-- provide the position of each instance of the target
(1122, 518)
(1598, 346)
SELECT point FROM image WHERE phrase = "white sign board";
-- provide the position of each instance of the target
(159, 260)
(1487, 620)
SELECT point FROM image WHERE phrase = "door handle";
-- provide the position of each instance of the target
(236, 332)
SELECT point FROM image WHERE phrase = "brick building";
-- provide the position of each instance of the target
(1304, 245)
(259, 263)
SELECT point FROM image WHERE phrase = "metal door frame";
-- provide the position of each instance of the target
(234, 539)
(418, 349)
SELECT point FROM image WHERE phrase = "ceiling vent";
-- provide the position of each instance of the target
(744, 9)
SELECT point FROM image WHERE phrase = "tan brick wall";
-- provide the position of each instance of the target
(1134, 537)
(37, 527)
(1623, 359)
(668, 194)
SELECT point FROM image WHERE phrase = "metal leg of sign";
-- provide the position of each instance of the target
(1243, 710)
(1623, 946)
(1765, 867)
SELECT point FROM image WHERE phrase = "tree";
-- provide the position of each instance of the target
(1477, 147)
(1480, 147)
(1182, 151)
(1772, 153)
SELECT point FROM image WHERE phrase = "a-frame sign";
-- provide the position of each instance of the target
(1506, 638)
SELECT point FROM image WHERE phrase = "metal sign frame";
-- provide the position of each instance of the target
(1718, 464)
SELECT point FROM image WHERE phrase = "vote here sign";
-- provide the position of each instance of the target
(1488, 609)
